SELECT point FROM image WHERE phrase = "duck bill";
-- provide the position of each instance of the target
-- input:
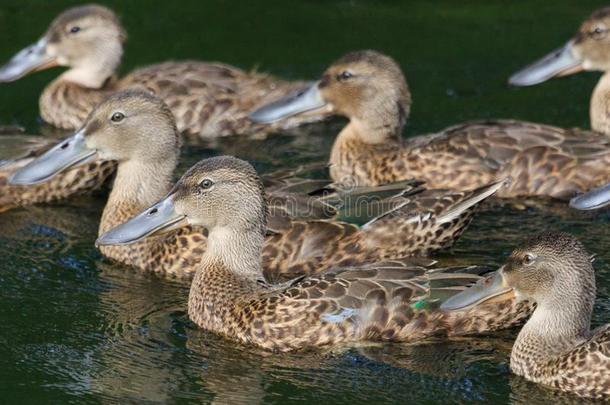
(594, 199)
(308, 99)
(560, 62)
(487, 290)
(69, 153)
(156, 220)
(31, 59)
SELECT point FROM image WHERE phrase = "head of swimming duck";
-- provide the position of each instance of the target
(588, 49)
(87, 39)
(129, 127)
(222, 194)
(367, 87)
(552, 269)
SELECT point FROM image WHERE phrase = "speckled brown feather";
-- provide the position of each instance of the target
(582, 370)
(379, 302)
(207, 99)
(541, 160)
(73, 182)
(415, 225)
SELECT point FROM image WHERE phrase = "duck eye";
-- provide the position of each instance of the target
(345, 75)
(529, 259)
(74, 29)
(206, 184)
(599, 32)
(117, 117)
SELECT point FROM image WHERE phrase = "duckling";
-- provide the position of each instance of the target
(379, 301)
(137, 130)
(207, 99)
(369, 88)
(588, 49)
(556, 347)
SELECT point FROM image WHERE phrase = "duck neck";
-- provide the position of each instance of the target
(379, 122)
(137, 186)
(239, 250)
(93, 71)
(559, 322)
(599, 109)
(359, 146)
(229, 269)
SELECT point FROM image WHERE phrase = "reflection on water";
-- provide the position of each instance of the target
(75, 327)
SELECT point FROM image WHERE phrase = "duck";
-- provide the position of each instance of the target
(363, 302)
(137, 130)
(556, 347)
(587, 50)
(208, 100)
(369, 88)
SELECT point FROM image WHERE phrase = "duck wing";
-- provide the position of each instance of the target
(384, 301)
(540, 159)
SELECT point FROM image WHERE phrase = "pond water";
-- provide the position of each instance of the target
(75, 327)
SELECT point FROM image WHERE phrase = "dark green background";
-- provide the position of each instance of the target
(76, 328)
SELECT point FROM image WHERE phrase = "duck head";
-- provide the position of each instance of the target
(547, 269)
(364, 86)
(88, 39)
(588, 50)
(222, 194)
(129, 126)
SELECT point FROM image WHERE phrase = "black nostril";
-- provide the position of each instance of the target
(65, 145)
(153, 211)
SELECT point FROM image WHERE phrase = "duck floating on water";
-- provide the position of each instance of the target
(208, 99)
(382, 301)
(369, 88)
(588, 50)
(138, 131)
(556, 347)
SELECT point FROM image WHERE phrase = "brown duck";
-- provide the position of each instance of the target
(588, 50)
(369, 88)
(383, 301)
(207, 99)
(137, 130)
(556, 347)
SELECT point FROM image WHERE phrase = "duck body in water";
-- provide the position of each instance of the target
(370, 90)
(138, 132)
(208, 100)
(379, 301)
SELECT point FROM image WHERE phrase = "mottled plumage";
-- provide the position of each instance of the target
(301, 237)
(76, 181)
(381, 301)
(207, 99)
(369, 88)
(418, 222)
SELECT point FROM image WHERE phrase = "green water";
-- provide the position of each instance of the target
(75, 327)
